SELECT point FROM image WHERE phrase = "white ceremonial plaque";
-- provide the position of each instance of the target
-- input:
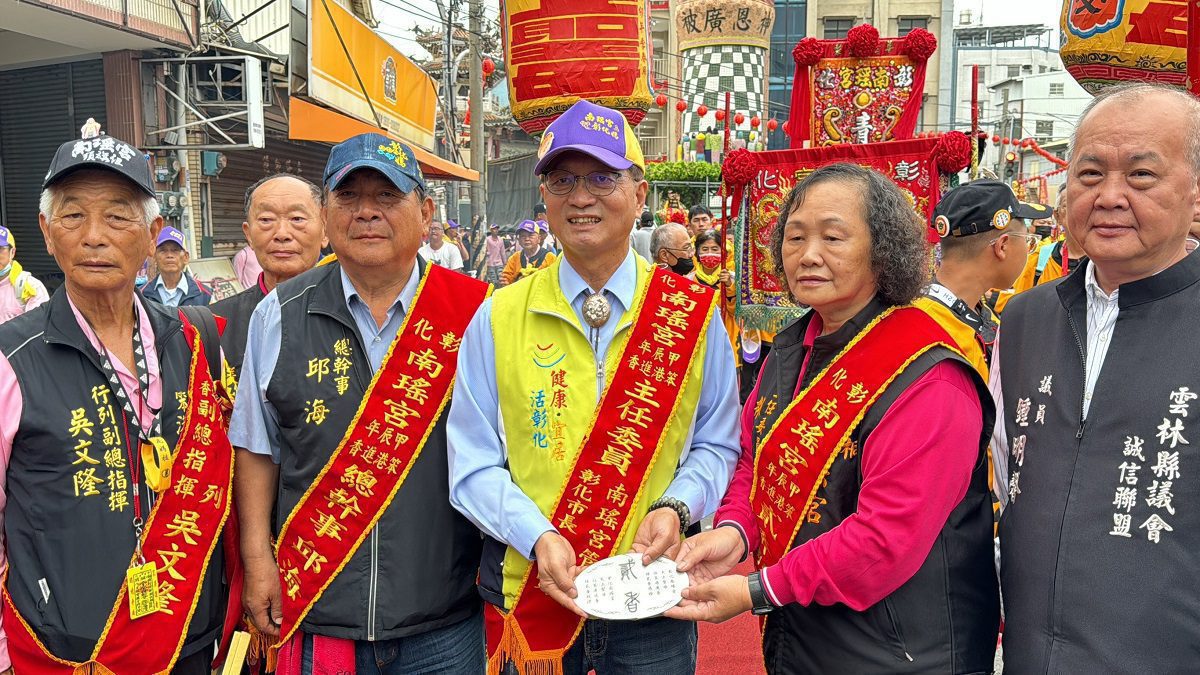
(620, 588)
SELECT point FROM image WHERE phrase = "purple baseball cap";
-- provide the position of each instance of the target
(542, 225)
(171, 234)
(527, 226)
(595, 131)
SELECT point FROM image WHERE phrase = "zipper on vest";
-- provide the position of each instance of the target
(1082, 362)
(374, 585)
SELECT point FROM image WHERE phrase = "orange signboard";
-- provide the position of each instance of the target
(353, 70)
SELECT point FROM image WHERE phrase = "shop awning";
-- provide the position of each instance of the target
(311, 122)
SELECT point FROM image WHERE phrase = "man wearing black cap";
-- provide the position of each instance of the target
(985, 243)
(117, 466)
(338, 430)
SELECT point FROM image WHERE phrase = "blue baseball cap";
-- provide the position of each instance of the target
(595, 131)
(393, 159)
(171, 234)
(527, 226)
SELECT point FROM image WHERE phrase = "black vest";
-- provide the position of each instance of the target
(237, 310)
(1079, 595)
(945, 618)
(416, 571)
(68, 551)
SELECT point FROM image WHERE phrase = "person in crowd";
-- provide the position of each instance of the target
(440, 252)
(862, 486)
(284, 229)
(544, 237)
(494, 254)
(672, 248)
(246, 266)
(603, 457)
(337, 430)
(1092, 441)
(528, 258)
(711, 271)
(986, 244)
(640, 238)
(454, 236)
(700, 219)
(20, 291)
(174, 285)
(117, 468)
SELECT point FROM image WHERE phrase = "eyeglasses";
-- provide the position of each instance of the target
(687, 251)
(1031, 240)
(599, 183)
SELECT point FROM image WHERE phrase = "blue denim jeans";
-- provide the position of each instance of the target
(457, 649)
(650, 647)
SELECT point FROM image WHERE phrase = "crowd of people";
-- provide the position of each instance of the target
(376, 463)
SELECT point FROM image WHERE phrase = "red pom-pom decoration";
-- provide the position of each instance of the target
(677, 217)
(661, 100)
(808, 51)
(720, 115)
(702, 110)
(953, 152)
(680, 106)
(863, 40)
(739, 118)
(754, 122)
(739, 168)
(772, 125)
(919, 44)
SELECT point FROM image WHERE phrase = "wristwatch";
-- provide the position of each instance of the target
(759, 604)
(681, 509)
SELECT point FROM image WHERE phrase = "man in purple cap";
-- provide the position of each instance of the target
(530, 258)
(595, 412)
(454, 235)
(341, 452)
(174, 286)
(110, 439)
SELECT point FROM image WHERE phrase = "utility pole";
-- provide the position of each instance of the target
(478, 142)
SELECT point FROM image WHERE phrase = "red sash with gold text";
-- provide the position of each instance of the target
(594, 506)
(398, 412)
(797, 453)
(179, 537)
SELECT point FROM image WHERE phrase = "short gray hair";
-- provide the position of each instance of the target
(150, 206)
(1061, 197)
(313, 189)
(658, 238)
(1136, 91)
(899, 250)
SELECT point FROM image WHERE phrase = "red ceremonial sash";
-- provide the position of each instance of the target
(799, 450)
(397, 413)
(595, 503)
(179, 537)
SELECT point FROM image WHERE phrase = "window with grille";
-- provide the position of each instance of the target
(904, 26)
(1056, 88)
(836, 29)
(1045, 129)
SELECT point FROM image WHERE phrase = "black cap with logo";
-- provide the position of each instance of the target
(981, 206)
(101, 152)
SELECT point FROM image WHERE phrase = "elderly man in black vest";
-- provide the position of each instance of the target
(117, 465)
(338, 430)
(283, 226)
(1097, 383)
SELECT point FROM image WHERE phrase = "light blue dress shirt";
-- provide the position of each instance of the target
(481, 486)
(171, 297)
(255, 423)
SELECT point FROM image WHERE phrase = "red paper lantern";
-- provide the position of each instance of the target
(739, 118)
(1006, 141)
(661, 100)
(702, 110)
(787, 128)
(489, 67)
(754, 122)
(995, 138)
(720, 114)
(772, 125)
(680, 106)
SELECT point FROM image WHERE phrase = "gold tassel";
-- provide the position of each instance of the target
(514, 648)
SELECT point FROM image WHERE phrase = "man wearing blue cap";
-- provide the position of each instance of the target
(595, 412)
(529, 258)
(19, 290)
(174, 286)
(338, 432)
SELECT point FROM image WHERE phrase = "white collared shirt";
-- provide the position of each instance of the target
(171, 296)
(1101, 321)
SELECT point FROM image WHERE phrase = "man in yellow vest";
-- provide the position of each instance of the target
(985, 244)
(611, 426)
